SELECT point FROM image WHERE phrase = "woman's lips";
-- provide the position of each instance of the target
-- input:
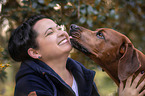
(63, 41)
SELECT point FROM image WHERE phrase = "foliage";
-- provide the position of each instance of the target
(126, 16)
(2, 66)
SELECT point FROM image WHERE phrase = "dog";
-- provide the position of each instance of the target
(113, 51)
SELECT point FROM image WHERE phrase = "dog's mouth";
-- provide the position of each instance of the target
(75, 34)
(79, 46)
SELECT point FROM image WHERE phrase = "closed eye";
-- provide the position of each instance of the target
(59, 28)
(48, 33)
(100, 35)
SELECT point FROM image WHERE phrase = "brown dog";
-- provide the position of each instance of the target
(110, 49)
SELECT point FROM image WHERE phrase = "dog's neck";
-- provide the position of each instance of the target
(112, 71)
(109, 68)
(141, 57)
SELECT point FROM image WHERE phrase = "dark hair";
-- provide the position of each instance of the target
(23, 38)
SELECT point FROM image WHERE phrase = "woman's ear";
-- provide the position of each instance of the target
(33, 53)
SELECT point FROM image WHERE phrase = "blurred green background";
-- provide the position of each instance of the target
(125, 16)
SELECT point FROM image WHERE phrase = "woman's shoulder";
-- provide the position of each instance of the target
(30, 81)
(28, 73)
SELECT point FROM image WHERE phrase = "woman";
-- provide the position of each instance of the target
(43, 48)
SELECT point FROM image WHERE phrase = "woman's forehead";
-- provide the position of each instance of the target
(43, 24)
(45, 21)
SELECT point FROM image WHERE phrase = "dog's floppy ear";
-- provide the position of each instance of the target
(128, 63)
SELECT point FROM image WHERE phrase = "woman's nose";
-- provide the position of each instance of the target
(61, 33)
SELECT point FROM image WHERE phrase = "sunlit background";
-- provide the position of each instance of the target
(125, 16)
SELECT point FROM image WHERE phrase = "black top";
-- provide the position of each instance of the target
(37, 76)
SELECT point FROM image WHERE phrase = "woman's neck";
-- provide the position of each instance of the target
(59, 66)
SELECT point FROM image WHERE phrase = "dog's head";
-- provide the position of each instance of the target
(106, 46)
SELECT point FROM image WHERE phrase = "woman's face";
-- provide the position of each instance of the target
(52, 41)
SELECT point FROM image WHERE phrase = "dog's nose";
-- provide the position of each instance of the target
(73, 27)
(74, 31)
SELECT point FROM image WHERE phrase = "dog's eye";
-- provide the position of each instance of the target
(100, 35)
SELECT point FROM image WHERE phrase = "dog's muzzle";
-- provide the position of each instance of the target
(75, 31)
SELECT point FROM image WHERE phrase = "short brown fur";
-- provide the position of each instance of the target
(113, 51)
